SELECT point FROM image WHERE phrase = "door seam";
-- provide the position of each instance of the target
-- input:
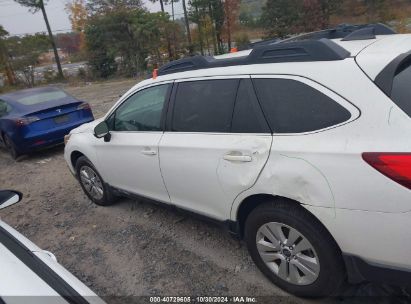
(159, 165)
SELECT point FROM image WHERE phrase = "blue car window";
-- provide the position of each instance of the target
(36, 98)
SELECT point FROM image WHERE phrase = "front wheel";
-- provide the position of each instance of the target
(92, 183)
(294, 250)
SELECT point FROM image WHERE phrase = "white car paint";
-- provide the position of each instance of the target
(10, 202)
(383, 51)
(22, 282)
(367, 233)
(142, 149)
(199, 174)
(322, 170)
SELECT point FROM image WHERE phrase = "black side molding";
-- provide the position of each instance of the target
(359, 271)
(385, 78)
(294, 51)
(232, 227)
(5, 195)
(40, 268)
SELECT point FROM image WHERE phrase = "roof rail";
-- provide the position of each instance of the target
(347, 32)
(252, 45)
(369, 32)
(295, 51)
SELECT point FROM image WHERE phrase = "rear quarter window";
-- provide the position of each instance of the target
(401, 90)
(291, 106)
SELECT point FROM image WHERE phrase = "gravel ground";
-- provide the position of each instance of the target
(135, 248)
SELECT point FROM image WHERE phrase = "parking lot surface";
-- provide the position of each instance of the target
(133, 248)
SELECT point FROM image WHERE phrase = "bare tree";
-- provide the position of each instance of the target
(35, 6)
(190, 43)
(170, 53)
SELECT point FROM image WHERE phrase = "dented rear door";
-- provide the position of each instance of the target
(216, 144)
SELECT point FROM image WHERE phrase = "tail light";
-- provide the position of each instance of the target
(396, 166)
(84, 106)
(24, 121)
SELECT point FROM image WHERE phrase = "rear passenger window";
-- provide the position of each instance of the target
(204, 106)
(401, 90)
(294, 107)
(248, 116)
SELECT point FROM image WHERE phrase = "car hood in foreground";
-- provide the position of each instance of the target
(35, 273)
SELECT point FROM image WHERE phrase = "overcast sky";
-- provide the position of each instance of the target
(17, 20)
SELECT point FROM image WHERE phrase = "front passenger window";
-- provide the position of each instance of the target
(142, 111)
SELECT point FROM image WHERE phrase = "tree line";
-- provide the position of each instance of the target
(123, 37)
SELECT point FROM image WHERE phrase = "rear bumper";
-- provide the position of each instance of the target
(359, 271)
(49, 138)
(375, 244)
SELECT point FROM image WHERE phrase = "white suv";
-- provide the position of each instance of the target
(301, 147)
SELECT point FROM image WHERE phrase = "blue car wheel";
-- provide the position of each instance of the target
(10, 147)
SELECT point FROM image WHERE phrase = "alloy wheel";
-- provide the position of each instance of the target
(287, 253)
(91, 182)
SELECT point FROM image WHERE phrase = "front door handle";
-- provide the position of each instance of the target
(237, 157)
(148, 152)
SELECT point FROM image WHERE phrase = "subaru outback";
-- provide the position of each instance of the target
(300, 147)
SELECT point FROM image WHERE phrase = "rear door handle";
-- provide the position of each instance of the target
(148, 152)
(237, 157)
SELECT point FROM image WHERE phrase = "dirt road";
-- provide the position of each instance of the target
(131, 248)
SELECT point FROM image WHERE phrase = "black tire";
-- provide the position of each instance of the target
(107, 198)
(331, 275)
(10, 146)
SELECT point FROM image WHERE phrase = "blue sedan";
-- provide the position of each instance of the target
(37, 118)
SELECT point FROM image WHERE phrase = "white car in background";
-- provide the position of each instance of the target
(32, 275)
(301, 147)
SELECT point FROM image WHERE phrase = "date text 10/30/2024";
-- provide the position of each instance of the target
(203, 299)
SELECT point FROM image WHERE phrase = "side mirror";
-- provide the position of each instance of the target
(9, 197)
(101, 130)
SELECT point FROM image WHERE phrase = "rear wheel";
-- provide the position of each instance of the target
(92, 183)
(11, 148)
(294, 250)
